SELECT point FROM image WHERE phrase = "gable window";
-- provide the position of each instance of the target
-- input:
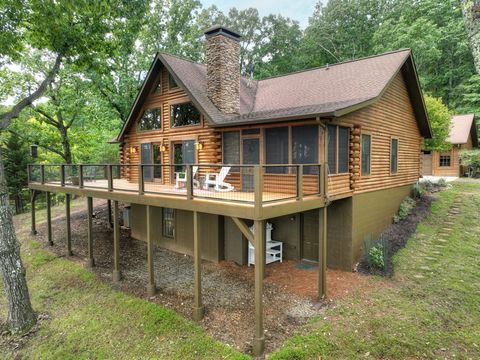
(157, 88)
(231, 148)
(151, 120)
(305, 147)
(276, 149)
(445, 160)
(168, 220)
(338, 154)
(172, 84)
(394, 156)
(366, 153)
(184, 114)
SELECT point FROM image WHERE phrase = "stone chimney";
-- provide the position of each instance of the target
(223, 69)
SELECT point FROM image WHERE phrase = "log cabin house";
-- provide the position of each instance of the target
(463, 136)
(208, 155)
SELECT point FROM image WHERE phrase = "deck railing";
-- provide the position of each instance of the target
(257, 184)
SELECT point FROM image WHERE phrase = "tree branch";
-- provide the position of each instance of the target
(46, 147)
(7, 117)
(48, 119)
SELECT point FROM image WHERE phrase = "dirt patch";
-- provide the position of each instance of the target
(290, 292)
(397, 235)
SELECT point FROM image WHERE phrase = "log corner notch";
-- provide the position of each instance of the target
(354, 155)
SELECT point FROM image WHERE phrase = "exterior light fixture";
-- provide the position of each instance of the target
(34, 150)
(133, 150)
(199, 146)
(163, 148)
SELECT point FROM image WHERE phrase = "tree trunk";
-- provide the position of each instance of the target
(471, 18)
(20, 312)
(67, 152)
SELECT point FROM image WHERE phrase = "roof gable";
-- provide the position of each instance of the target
(328, 91)
(463, 126)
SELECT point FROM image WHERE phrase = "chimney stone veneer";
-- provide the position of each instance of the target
(223, 69)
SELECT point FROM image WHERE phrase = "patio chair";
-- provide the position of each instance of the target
(218, 180)
(181, 177)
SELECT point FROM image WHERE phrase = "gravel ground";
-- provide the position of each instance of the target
(228, 289)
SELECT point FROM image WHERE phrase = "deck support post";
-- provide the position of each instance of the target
(259, 339)
(69, 227)
(33, 195)
(117, 275)
(49, 218)
(322, 256)
(109, 210)
(90, 261)
(151, 287)
(198, 310)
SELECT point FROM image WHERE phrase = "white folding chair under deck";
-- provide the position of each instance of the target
(218, 180)
(181, 177)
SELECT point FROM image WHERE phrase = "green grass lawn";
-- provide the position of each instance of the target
(429, 309)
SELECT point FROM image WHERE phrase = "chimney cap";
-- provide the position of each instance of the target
(222, 30)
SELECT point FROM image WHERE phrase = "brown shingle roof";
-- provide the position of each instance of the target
(327, 91)
(461, 126)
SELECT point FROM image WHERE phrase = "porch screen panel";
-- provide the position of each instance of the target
(231, 149)
(332, 148)
(343, 153)
(305, 147)
(276, 149)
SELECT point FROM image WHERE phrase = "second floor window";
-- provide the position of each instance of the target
(338, 149)
(184, 114)
(366, 153)
(151, 120)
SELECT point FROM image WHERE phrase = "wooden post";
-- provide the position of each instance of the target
(90, 261)
(189, 179)
(33, 196)
(62, 175)
(258, 189)
(69, 228)
(322, 255)
(42, 174)
(49, 219)
(80, 176)
(198, 309)
(109, 210)
(117, 275)
(141, 184)
(299, 182)
(151, 287)
(259, 339)
(110, 177)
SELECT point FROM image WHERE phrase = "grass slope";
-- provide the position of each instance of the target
(90, 320)
(430, 309)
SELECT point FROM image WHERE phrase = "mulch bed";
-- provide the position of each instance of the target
(397, 235)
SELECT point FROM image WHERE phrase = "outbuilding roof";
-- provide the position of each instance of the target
(328, 91)
(463, 126)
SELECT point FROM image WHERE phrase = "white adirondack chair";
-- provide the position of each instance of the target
(181, 177)
(218, 180)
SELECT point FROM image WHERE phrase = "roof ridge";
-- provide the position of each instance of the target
(339, 63)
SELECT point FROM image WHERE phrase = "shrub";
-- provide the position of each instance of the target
(405, 209)
(442, 182)
(376, 257)
(471, 159)
(418, 190)
(427, 185)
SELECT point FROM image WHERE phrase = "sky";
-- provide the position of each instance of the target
(299, 10)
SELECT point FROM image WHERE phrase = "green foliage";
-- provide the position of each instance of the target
(471, 159)
(439, 117)
(376, 257)
(418, 189)
(405, 209)
(442, 182)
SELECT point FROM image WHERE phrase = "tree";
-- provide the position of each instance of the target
(439, 116)
(471, 17)
(70, 30)
(17, 158)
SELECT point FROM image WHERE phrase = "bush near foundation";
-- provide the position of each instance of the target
(405, 209)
